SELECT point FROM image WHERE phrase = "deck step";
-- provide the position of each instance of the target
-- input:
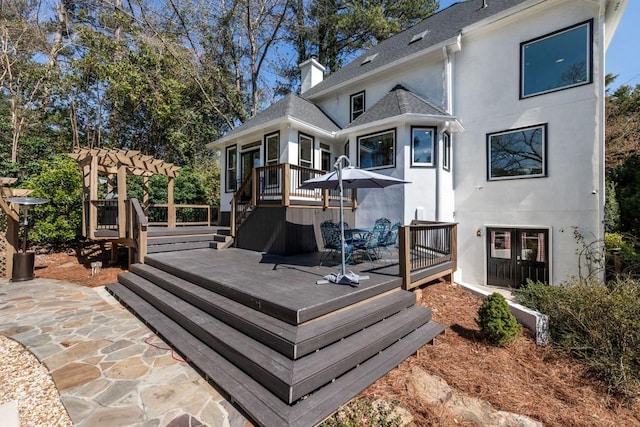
(289, 379)
(178, 246)
(223, 279)
(165, 240)
(261, 405)
(292, 341)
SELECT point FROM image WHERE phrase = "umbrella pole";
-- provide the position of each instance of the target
(341, 216)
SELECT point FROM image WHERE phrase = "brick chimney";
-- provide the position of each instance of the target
(311, 73)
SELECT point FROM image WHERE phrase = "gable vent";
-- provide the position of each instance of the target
(418, 36)
(369, 59)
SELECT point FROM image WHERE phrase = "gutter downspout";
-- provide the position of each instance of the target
(601, 196)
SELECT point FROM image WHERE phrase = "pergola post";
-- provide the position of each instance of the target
(93, 196)
(171, 205)
(145, 194)
(122, 200)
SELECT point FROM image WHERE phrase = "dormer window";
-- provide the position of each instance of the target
(357, 105)
(369, 59)
(418, 36)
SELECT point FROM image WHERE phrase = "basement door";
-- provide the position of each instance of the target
(517, 254)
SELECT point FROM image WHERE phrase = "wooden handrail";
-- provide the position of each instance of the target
(138, 224)
(140, 216)
(426, 247)
(281, 183)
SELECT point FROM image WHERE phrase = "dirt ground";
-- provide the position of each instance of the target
(523, 378)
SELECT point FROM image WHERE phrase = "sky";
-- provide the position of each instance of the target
(623, 54)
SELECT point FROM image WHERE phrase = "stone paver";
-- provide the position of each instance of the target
(110, 369)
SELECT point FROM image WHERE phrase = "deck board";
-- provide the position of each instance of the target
(254, 400)
(283, 287)
(287, 378)
(290, 340)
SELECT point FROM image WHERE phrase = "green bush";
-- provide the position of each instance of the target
(496, 322)
(60, 220)
(363, 413)
(597, 323)
(625, 248)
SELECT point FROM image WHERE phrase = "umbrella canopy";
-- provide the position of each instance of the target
(348, 177)
(352, 177)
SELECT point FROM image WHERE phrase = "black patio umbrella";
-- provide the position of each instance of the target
(348, 177)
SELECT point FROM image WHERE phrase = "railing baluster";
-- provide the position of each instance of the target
(423, 245)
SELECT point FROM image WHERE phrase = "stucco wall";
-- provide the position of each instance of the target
(487, 100)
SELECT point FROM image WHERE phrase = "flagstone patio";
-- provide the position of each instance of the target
(109, 368)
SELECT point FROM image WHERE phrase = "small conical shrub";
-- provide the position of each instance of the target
(496, 322)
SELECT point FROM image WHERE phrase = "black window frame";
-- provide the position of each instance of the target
(589, 62)
(446, 151)
(271, 178)
(544, 144)
(355, 114)
(395, 148)
(313, 143)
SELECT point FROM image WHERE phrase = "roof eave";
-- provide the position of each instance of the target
(299, 124)
(453, 41)
(450, 122)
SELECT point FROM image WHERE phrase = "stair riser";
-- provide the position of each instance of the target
(272, 371)
(154, 249)
(222, 309)
(258, 403)
(180, 239)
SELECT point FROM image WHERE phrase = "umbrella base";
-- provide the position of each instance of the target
(349, 278)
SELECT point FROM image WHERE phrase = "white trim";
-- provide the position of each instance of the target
(449, 122)
(273, 124)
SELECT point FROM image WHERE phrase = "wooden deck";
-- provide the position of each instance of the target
(286, 350)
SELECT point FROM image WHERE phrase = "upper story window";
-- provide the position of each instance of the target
(556, 61)
(446, 151)
(305, 150)
(357, 105)
(518, 153)
(232, 165)
(377, 150)
(422, 146)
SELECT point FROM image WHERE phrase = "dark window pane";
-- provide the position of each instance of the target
(422, 147)
(517, 153)
(555, 62)
(377, 150)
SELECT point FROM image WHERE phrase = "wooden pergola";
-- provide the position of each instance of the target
(118, 163)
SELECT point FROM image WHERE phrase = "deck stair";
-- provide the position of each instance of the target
(186, 238)
(282, 366)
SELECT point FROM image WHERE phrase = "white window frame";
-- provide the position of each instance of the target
(432, 131)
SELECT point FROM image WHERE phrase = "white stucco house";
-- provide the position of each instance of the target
(492, 109)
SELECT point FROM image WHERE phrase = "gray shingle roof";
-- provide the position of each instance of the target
(441, 26)
(397, 102)
(293, 106)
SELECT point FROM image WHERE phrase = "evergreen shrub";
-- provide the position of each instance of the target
(496, 322)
